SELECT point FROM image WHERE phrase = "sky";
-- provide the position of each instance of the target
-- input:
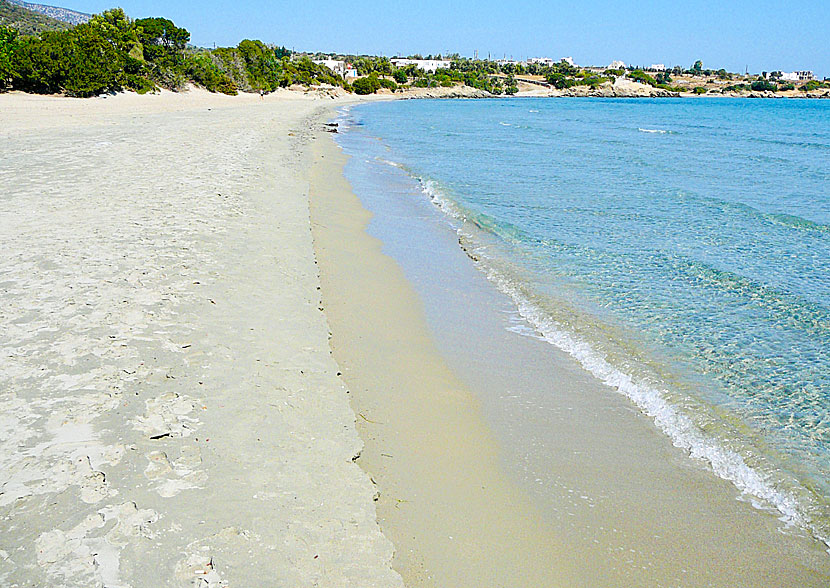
(761, 35)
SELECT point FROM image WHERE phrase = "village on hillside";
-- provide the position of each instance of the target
(39, 53)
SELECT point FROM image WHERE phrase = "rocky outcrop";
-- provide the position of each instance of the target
(72, 17)
(453, 92)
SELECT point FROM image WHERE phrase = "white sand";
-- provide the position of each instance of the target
(170, 414)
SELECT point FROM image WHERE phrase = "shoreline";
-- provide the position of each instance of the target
(453, 515)
(458, 92)
(652, 495)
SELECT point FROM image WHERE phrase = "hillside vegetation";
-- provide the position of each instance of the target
(27, 21)
(113, 52)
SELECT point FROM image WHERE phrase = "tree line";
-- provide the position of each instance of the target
(112, 52)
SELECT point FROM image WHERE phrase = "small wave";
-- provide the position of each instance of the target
(504, 124)
(392, 163)
(657, 131)
(680, 428)
(725, 463)
(437, 197)
(533, 111)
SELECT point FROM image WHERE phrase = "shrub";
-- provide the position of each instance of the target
(388, 84)
(368, 85)
(699, 90)
(639, 75)
(811, 85)
(202, 69)
(400, 76)
(763, 86)
(560, 81)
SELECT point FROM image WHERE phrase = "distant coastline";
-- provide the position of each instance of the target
(53, 51)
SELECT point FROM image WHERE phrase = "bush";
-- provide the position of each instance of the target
(592, 81)
(763, 86)
(699, 90)
(388, 84)
(368, 85)
(400, 76)
(202, 69)
(560, 81)
(812, 85)
(639, 75)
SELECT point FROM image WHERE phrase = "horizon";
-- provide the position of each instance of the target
(721, 36)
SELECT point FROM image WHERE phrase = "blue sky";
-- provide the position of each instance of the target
(735, 34)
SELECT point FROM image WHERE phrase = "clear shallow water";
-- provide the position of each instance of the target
(677, 248)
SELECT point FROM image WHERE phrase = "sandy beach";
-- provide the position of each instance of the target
(212, 375)
(170, 412)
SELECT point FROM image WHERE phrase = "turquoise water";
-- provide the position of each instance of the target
(678, 249)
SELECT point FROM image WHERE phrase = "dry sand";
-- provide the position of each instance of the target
(170, 413)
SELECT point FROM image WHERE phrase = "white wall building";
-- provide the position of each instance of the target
(427, 65)
(569, 61)
(657, 67)
(617, 65)
(335, 65)
(541, 61)
(797, 76)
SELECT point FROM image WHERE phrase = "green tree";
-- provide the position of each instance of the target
(697, 67)
(763, 86)
(8, 46)
(400, 76)
(367, 85)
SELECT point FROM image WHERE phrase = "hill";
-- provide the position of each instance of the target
(73, 17)
(28, 22)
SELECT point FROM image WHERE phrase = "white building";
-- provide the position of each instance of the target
(541, 61)
(657, 67)
(617, 65)
(568, 60)
(798, 76)
(335, 65)
(427, 65)
(350, 71)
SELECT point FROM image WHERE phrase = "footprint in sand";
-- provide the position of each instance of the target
(171, 477)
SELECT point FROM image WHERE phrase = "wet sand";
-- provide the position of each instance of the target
(455, 518)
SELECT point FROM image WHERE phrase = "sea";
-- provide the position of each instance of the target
(677, 249)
